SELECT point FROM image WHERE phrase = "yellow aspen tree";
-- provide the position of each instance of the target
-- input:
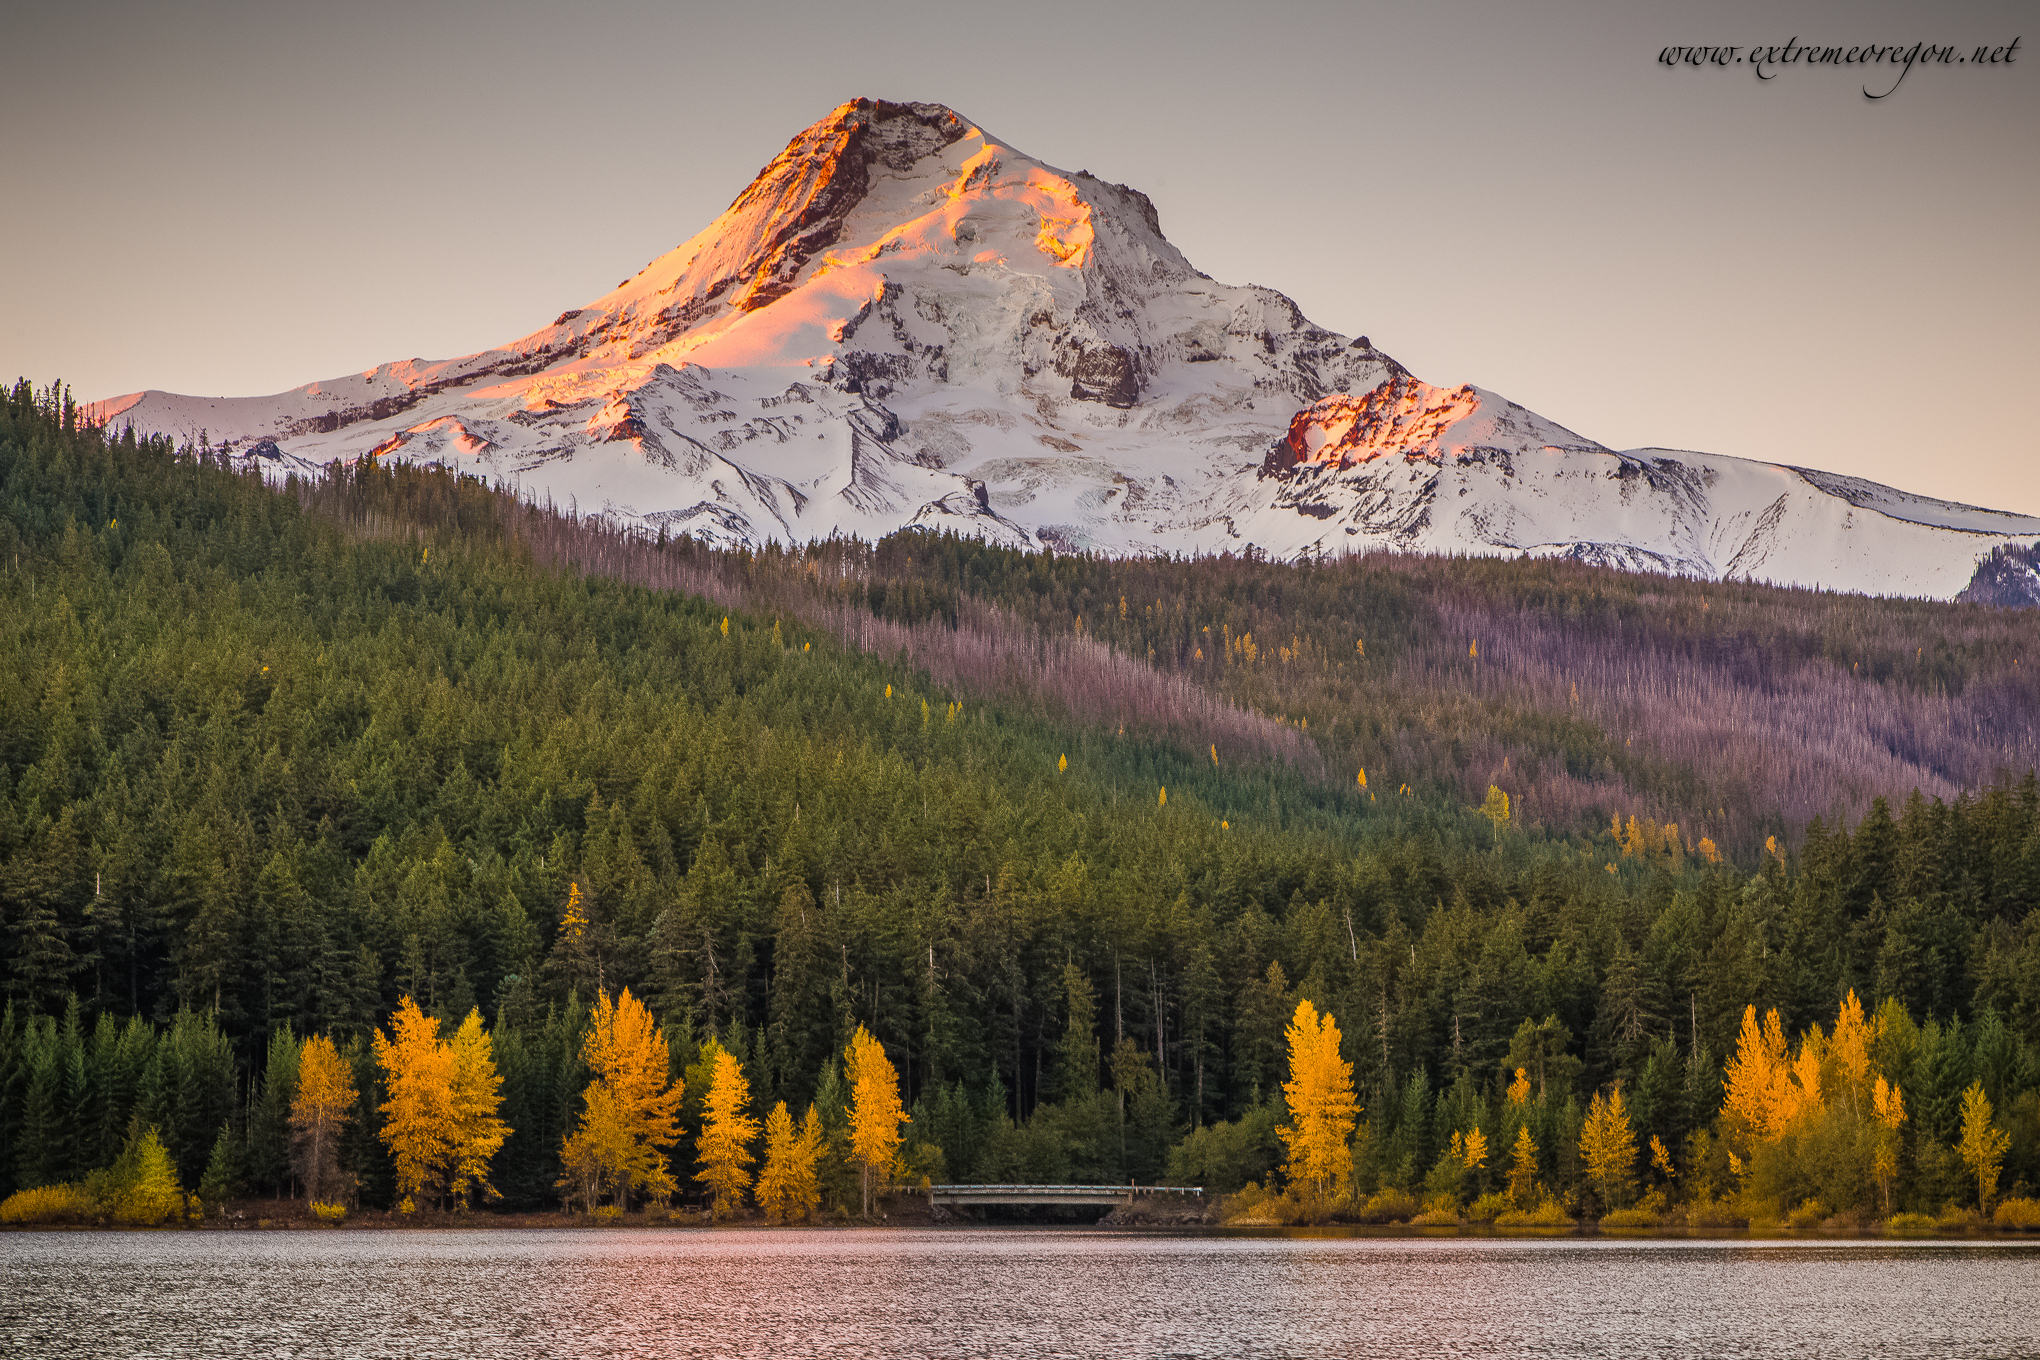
(1889, 1103)
(1608, 1145)
(1496, 808)
(789, 1184)
(1800, 1096)
(320, 1109)
(1519, 1089)
(478, 1134)
(418, 1121)
(574, 919)
(775, 1177)
(1661, 1159)
(148, 1179)
(1473, 1151)
(1755, 1071)
(630, 1119)
(1322, 1107)
(1983, 1145)
(808, 1149)
(1523, 1170)
(727, 1129)
(1850, 1049)
(597, 1153)
(875, 1111)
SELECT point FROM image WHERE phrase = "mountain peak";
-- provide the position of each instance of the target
(904, 320)
(797, 204)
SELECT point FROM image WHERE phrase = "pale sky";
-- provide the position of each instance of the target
(234, 198)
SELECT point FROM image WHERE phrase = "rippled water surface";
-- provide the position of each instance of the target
(998, 1293)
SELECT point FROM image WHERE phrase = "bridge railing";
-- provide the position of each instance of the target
(1128, 1189)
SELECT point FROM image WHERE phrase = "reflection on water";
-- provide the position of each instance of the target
(998, 1293)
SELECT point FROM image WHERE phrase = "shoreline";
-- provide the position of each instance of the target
(258, 1216)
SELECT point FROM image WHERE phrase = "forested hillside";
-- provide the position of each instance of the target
(272, 760)
(1738, 711)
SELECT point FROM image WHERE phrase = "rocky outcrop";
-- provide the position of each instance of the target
(1401, 416)
(1105, 374)
(2008, 578)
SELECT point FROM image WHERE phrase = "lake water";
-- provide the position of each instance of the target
(999, 1292)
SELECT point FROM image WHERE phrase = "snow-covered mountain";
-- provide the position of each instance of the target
(903, 320)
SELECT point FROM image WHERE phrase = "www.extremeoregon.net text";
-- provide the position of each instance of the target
(1795, 53)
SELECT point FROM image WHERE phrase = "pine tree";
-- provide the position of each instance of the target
(838, 1171)
(216, 1186)
(269, 1128)
(1079, 1051)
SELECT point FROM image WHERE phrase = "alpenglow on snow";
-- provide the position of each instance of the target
(905, 321)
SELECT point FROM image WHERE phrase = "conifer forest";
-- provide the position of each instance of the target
(382, 841)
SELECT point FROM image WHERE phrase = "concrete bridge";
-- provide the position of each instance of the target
(1103, 1196)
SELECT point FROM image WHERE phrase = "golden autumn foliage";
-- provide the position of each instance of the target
(1644, 838)
(319, 1111)
(477, 1095)
(1608, 1147)
(629, 1119)
(1889, 1103)
(139, 1188)
(1519, 1089)
(789, 1184)
(1761, 1083)
(1322, 1107)
(727, 1129)
(1983, 1144)
(1523, 1170)
(1496, 808)
(1828, 1093)
(875, 1111)
(418, 1113)
(47, 1204)
(439, 1121)
(1771, 1089)
(1472, 1149)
